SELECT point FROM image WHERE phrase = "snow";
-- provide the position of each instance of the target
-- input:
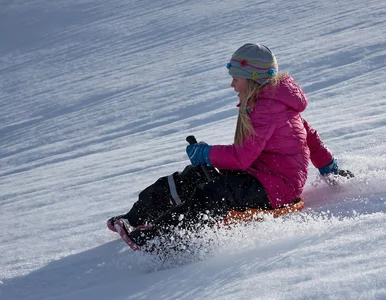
(97, 98)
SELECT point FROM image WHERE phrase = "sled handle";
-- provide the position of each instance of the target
(192, 140)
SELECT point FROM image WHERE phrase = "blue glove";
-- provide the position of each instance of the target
(332, 167)
(199, 154)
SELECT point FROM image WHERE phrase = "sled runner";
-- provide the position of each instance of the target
(252, 214)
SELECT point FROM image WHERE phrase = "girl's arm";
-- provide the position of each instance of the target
(320, 155)
(232, 157)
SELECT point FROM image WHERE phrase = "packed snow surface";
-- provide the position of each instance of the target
(97, 98)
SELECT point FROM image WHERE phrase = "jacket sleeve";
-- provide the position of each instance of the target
(320, 155)
(232, 157)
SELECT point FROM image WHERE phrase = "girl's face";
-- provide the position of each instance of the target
(240, 85)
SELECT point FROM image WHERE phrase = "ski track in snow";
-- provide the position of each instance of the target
(96, 101)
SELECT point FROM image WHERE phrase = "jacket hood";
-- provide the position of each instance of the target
(287, 92)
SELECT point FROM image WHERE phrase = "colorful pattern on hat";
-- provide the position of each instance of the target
(253, 61)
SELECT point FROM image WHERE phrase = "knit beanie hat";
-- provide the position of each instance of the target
(253, 61)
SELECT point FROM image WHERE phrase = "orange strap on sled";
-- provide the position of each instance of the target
(255, 214)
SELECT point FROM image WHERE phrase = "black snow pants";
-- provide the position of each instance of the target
(182, 199)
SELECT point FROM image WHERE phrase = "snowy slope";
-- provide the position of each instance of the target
(97, 98)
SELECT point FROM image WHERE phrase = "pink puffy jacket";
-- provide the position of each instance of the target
(278, 155)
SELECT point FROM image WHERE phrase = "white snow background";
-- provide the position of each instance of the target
(97, 98)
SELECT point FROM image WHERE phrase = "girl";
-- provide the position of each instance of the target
(266, 166)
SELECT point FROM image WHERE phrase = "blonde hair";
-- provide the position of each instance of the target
(244, 126)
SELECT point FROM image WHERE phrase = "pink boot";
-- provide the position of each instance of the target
(111, 221)
(121, 227)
